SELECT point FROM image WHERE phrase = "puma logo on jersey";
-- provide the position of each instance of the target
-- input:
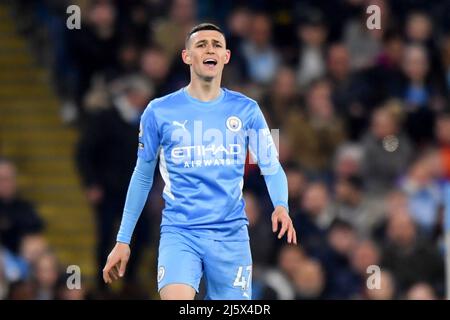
(182, 125)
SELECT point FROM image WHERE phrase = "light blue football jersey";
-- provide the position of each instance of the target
(202, 147)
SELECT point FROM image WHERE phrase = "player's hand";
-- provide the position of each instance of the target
(280, 215)
(116, 262)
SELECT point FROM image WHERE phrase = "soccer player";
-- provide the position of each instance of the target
(201, 134)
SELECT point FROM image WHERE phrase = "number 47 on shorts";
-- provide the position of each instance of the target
(243, 277)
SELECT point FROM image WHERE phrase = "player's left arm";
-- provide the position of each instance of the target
(263, 150)
(278, 190)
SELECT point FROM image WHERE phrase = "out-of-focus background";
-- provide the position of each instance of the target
(364, 139)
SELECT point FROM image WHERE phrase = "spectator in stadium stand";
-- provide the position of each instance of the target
(261, 239)
(387, 151)
(420, 93)
(297, 184)
(347, 160)
(421, 184)
(309, 281)
(33, 246)
(13, 268)
(312, 34)
(63, 292)
(353, 206)
(339, 74)
(155, 67)
(170, 31)
(365, 254)
(389, 62)
(319, 130)
(347, 90)
(421, 291)
(419, 29)
(94, 48)
(364, 44)
(395, 201)
(442, 134)
(127, 60)
(342, 238)
(45, 275)
(18, 217)
(341, 281)
(281, 98)
(276, 283)
(262, 59)
(314, 219)
(285, 149)
(409, 257)
(133, 20)
(238, 28)
(289, 258)
(367, 88)
(387, 288)
(106, 156)
(22, 290)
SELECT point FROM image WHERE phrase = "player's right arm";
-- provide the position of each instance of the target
(138, 190)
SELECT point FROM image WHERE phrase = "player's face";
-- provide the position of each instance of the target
(206, 53)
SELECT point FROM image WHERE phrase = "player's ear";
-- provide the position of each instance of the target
(228, 56)
(186, 57)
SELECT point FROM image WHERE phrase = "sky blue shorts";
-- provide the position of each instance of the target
(226, 265)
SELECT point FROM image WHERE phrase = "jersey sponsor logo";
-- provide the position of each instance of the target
(210, 155)
(204, 151)
(161, 273)
(234, 124)
(211, 162)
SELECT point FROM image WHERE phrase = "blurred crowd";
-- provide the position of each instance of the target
(364, 120)
(29, 269)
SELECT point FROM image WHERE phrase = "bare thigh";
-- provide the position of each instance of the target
(177, 291)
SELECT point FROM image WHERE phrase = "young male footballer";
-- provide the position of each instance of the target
(201, 134)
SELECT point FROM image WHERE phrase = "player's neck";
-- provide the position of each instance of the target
(203, 90)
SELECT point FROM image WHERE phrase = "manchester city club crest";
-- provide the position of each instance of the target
(234, 123)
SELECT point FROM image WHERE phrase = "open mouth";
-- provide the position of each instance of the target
(210, 62)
